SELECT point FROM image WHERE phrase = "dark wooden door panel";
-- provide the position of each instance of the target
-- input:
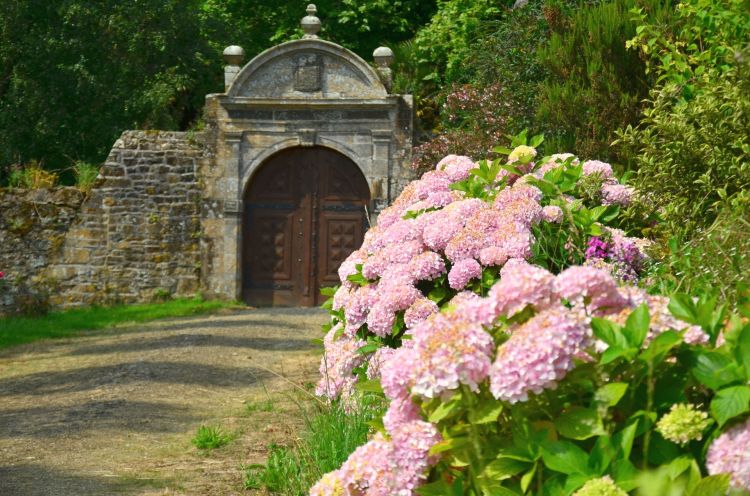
(305, 213)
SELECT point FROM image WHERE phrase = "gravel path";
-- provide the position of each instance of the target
(114, 412)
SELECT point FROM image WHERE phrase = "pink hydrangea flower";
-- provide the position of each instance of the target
(426, 266)
(396, 373)
(339, 359)
(589, 287)
(400, 411)
(522, 284)
(462, 272)
(412, 443)
(457, 167)
(450, 351)
(419, 311)
(538, 354)
(377, 360)
(603, 169)
(617, 194)
(555, 161)
(729, 453)
(441, 229)
(552, 213)
(359, 304)
(432, 182)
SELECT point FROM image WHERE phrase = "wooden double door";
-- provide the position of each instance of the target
(305, 212)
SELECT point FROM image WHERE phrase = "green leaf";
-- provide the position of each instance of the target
(445, 410)
(565, 457)
(438, 294)
(614, 352)
(683, 307)
(438, 488)
(610, 394)
(605, 330)
(729, 403)
(329, 290)
(713, 485)
(625, 474)
(636, 326)
(371, 386)
(742, 350)
(449, 444)
(527, 478)
(624, 439)
(716, 369)
(503, 468)
(678, 466)
(579, 423)
(487, 412)
(660, 346)
(368, 348)
(602, 454)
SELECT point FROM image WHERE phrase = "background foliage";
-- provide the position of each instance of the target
(74, 74)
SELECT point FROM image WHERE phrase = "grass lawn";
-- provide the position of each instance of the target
(20, 330)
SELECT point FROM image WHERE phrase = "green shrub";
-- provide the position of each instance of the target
(594, 85)
(713, 260)
(692, 147)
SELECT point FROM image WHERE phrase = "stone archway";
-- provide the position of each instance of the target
(305, 211)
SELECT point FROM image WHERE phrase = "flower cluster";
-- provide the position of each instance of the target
(729, 453)
(683, 423)
(621, 255)
(434, 236)
(382, 466)
(603, 486)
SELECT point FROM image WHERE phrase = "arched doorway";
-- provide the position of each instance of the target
(305, 212)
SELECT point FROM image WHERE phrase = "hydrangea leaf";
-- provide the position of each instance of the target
(636, 326)
(610, 394)
(503, 468)
(565, 457)
(486, 413)
(660, 346)
(729, 403)
(715, 369)
(713, 485)
(579, 423)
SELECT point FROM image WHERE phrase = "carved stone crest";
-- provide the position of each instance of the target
(308, 73)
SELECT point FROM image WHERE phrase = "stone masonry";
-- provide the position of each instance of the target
(138, 235)
(33, 225)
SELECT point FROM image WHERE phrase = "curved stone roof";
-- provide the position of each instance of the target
(305, 69)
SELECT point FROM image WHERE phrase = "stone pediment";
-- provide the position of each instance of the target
(304, 69)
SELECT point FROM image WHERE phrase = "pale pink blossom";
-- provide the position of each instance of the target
(730, 453)
(538, 354)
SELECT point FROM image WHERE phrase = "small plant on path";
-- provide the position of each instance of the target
(211, 437)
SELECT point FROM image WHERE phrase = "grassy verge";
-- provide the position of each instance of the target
(20, 330)
(329, 437)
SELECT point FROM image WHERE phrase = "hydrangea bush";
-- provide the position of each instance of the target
(493, 306)
(452, 231)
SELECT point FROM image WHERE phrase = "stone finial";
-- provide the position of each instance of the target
(383, 59)
(233, 56)
(310, 23)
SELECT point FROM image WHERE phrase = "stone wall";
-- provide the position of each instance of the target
(138, 235)
(33, 225)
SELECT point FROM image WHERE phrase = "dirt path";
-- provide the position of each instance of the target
(114, 412)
